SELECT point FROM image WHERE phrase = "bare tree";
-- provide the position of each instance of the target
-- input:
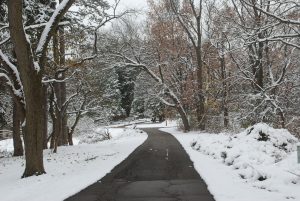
(190, 19)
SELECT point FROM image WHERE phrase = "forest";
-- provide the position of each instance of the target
(215, 65)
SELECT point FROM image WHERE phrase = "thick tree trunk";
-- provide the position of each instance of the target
(17, 119)
(33, 91)
(34, 128)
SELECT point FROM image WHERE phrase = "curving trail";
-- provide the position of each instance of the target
(158, 170)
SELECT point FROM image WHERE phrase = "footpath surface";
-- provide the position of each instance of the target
(158, 170)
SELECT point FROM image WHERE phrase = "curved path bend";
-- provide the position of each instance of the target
(158, 170)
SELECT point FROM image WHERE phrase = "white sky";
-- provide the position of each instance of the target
(140, 5)
(127, 4)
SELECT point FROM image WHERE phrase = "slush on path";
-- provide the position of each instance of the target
(158, 170)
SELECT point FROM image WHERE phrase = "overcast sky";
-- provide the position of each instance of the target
(139, 5)
(136, 4)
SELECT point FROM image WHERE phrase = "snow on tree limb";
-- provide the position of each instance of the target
(283, 20)
(166, 102)
(16, 92)
(34, 26)
(51, 25)
(12, 67)
(59, 81)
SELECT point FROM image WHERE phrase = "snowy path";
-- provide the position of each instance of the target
(159, 170)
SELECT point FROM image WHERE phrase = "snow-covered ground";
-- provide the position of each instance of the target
(258, 164)
(149, 124)
(71, 169)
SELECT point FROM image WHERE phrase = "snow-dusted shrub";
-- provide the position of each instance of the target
(102, 133)
(97, 135)
(250, 151)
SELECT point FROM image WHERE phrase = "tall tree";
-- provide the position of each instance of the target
(190, 17)
(30, 64)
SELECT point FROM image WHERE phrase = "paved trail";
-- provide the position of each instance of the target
(158, 170)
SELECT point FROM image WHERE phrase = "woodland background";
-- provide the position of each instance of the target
(215, 65)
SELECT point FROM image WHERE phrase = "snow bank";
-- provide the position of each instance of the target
(69, 171)
(258, 164)
(167, 123)
(105, 133)
(251, 151)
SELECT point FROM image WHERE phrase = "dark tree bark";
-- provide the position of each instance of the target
(33, 92)
(2, 113)
(18, 118)
(45, 103)
(53, 117)
(256, 53)
(30, 66)
(184, 118)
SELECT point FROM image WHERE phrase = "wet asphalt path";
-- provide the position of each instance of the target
(158, 170)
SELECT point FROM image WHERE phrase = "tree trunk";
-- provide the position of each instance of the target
(17, 119)
(224, 87)
(63, 87)
(59, 136)
(34, 129)
(33, 91)
(70, 138)
(64, 114)
(200, 108)
(53, 117)
(282, 119)
(184, 118)
(45, 103)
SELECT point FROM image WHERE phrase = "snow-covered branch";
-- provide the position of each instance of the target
(281, 19)
(56, 80)
(51, 26)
